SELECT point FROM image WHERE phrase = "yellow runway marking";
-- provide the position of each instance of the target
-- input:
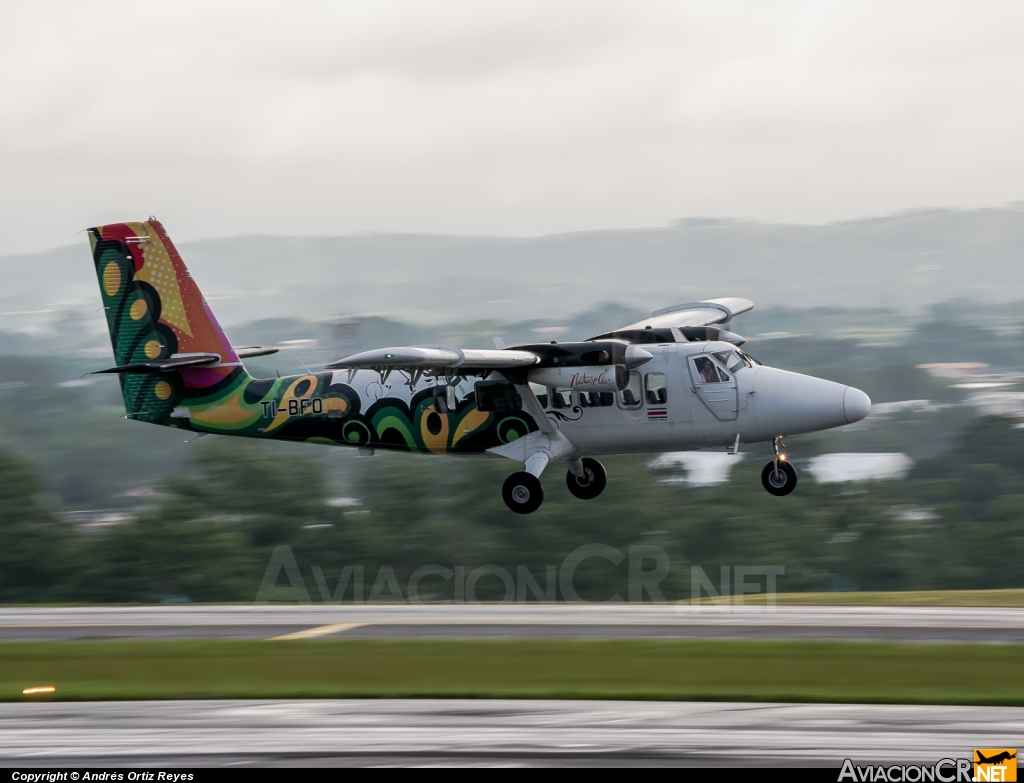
(320, 630)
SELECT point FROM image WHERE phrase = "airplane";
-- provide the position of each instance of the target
(996, 759)
(675, 381)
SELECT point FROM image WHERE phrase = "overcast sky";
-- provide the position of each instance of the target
(519, 118)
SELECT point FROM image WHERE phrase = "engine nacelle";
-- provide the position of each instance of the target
(606, 378)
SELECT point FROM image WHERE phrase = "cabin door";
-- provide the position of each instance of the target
(714, 387)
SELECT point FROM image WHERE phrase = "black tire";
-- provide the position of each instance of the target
(591, 484)
(522, 492)
(781, 483)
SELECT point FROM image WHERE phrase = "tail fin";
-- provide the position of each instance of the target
(155, 310)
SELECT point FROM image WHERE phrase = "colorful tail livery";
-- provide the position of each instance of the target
(156, 314)
(178, 368)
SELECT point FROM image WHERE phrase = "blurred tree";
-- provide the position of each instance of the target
(34, 555)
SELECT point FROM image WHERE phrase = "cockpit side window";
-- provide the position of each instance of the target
(657, 389)
(707, 371)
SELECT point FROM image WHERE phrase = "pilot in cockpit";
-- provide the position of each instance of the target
(706, 370)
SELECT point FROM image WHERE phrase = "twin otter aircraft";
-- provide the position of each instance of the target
(671, 382)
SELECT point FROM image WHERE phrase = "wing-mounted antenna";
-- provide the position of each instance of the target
(413, 376)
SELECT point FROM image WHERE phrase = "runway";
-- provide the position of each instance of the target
(516, 621)
(479, 732)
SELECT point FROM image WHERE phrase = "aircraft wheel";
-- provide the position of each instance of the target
(780, 482)
(591, 483)
(522, 492)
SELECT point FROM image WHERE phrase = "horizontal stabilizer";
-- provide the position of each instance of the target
(175, 361)
(255, 350)
(436, 357)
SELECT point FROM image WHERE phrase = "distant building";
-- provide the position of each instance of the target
(344, 331)
(343, 502)
(706, 468)
(883, 410)
(701, 468)
(96, 521)
(144, 492)
(828, 468)
(77, 383)
(998, 403)
(954, 369)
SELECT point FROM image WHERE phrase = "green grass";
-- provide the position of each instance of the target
(757, 671)
(1010, 597)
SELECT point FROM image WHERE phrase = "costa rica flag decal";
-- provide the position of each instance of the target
(657, 414)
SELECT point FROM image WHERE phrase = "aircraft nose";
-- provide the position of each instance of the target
(790, 403)
(856, 404)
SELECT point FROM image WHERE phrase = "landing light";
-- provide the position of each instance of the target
(782, 458)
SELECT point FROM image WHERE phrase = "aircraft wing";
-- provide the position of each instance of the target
(703, 313)
(436, 357)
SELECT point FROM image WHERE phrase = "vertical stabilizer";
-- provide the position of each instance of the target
(155, 310)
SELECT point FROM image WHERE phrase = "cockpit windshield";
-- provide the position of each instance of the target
(750, 359)
(733, 360)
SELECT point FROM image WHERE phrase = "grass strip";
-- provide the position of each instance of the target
(1007, 597)
(699, 670)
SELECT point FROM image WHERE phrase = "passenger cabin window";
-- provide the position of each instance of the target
(657, 389)
(708, 371)
(561, 398)
(596, 399)
(498, 396)
(631, 396)
(732, 360)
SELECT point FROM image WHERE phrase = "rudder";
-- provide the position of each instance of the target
(155, 310)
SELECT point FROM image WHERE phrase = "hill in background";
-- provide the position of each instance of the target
(902, 262)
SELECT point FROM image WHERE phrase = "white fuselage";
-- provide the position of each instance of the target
(670, 405)
(757, 403)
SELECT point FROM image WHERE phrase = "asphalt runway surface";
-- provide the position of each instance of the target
(517, 621)
(379, 732)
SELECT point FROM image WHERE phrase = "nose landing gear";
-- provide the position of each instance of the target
(591, 483)
(778, 476)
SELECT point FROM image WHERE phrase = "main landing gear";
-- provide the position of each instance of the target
(778, 476)
(523, 493)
